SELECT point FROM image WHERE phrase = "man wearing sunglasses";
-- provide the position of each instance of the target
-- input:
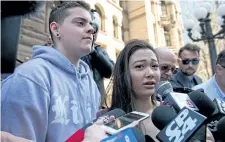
(188, 65)
(167, 63)
(215, 87)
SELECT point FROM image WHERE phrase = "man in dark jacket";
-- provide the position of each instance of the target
(188, 65)
(99, 61)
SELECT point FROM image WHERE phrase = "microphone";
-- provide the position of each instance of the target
(213, 110)
(12, 12)
(162, 115)
(173, 99)
(182, 127)
(221, 130)
(216, 116)
(182, 90)
(78, 136)
(127, 135)
(196, 100)
(203, 102)
(18, 8)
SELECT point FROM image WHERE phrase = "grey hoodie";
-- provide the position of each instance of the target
(48, 98)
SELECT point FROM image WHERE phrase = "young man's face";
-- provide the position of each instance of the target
(76, 32)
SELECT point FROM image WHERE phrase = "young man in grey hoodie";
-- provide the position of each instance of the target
(53, 95)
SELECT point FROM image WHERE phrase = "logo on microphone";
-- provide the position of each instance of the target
(182, 127)
(190, 104)
(127, 139)
(183, 100)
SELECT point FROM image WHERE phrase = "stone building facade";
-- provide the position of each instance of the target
(157, 22)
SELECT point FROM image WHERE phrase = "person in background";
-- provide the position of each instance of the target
(215, 86)
(167, 63)
(53, 95)
(188, 64)
(99, 61)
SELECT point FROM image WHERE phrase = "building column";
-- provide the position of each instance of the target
(150, 20)
(174, 37)
(119, 28)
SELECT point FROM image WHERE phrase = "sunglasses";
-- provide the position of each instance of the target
(166, 68)
(193, 61)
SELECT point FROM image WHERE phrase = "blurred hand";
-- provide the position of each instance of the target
(95, 133)
(7, 137)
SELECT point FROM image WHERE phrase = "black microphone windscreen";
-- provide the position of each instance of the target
(221, 127)
(162, 115)
(203, 102)
(182, 90)
(16, 8)
(138, 135)
(148, 139)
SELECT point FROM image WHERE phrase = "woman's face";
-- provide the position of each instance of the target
(144, 70)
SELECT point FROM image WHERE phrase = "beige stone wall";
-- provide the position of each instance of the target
(145, 20)
(34, 31)
(134, 19)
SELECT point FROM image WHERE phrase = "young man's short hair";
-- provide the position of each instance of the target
(189, 47)
(221, 58)
(59, 13)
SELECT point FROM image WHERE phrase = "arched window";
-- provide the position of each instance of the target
(101, 15)
(167, 37)
(115, 27)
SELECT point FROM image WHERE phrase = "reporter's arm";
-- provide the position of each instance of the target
(102, 62)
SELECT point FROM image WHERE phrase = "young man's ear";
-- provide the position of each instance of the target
(218, 69)
(54, 29)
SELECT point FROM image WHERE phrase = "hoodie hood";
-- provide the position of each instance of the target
(58, 59)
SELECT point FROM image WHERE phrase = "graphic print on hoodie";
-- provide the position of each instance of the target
(48, 98)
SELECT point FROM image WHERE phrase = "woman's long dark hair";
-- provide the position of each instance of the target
(123, 93)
